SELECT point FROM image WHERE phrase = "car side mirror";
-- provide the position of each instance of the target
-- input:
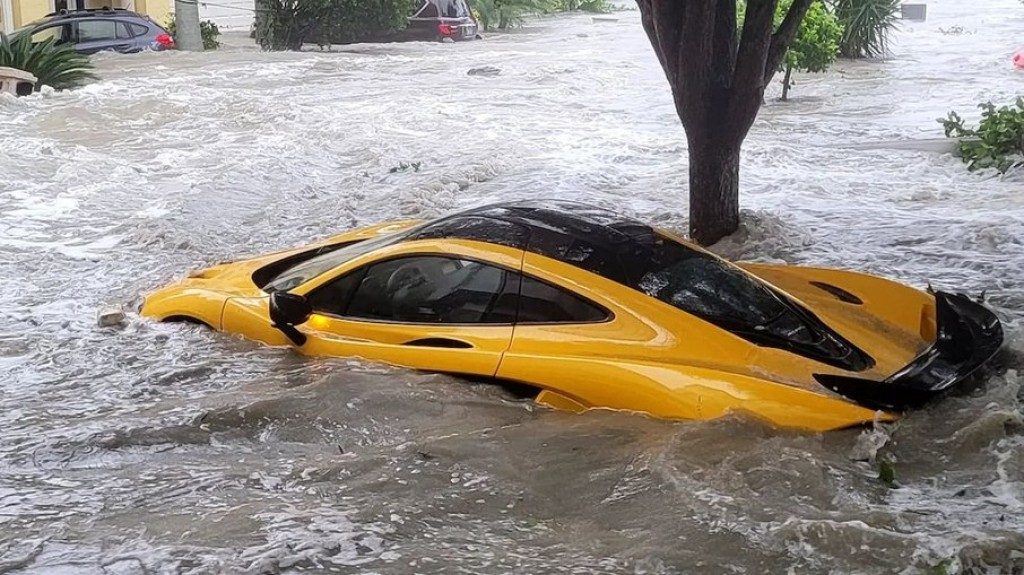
(288, 310)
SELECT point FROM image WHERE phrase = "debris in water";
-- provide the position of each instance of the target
(484, 71)
(110, 316)
(887, 473)
(869, 442)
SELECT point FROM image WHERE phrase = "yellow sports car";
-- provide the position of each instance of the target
(593, 310)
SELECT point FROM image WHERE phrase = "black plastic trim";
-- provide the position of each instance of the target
(968, 335)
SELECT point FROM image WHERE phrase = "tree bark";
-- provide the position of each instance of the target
(786, 83)
(718, 75)
(264, 24)
(714, 191)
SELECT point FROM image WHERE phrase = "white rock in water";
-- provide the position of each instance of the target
(110, 316)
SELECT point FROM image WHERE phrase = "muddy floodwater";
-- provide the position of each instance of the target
(171, 449)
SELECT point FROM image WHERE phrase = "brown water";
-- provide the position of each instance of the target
(169, 449)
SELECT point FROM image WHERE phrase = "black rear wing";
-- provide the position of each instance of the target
(967, 335)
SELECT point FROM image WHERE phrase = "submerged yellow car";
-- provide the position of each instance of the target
(593, 310)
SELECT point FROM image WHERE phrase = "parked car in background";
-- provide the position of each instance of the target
(91, 31)
(435, 21)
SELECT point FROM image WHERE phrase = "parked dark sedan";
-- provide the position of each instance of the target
(91, 31)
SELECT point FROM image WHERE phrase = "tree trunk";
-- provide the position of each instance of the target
(714, 191)
(264, 24)
(786, 84)
(717, 74)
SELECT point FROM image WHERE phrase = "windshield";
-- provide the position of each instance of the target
(306, 270)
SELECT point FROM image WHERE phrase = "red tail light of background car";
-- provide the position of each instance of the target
(165, 41)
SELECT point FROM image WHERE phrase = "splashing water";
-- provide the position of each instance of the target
(170, 449)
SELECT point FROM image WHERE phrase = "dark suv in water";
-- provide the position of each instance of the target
(434, 21)
(91, 31)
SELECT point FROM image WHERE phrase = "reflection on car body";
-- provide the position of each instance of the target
(594, 310)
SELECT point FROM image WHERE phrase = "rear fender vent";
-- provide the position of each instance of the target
(839, 293)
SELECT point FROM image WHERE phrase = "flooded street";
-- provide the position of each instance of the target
(164, 448)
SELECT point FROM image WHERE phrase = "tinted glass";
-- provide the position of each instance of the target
(139, 29)
(333, 298)
(427, 10)
(476, 228)
(95, 30)
(704, 286)
(453, 8)
(540, 302)
(429, 289)
(306, 270)
(123, 33)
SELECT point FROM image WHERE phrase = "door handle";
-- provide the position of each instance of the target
(439, 342)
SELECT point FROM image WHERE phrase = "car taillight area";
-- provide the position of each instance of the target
(165, 41)
(457, 30)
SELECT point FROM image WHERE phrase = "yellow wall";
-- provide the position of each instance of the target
(158, 10)
(26, 11)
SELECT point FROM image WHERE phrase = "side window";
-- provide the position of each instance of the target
(428, 10)
(123, 32)
(57, 32)
(96, 30)
(333, 298)
(423, 289)
(139, 29)
(540, 302)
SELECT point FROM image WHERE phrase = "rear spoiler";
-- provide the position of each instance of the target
(967, 336)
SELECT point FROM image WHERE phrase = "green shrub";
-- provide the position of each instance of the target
(54, 65)
(288, 24)
(207, 29)
(816, 45)
(997, 142)
(867, 25)
(593, 6)
(504, 14)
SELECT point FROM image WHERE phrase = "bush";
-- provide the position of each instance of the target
(997, 142)
(867, 25)
(504, 14)
(816, 45)
(54, 65)
(207, 29)
(287, 24)
(593, 6)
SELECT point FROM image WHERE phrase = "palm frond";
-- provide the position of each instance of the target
(54, 65)
(867, 25)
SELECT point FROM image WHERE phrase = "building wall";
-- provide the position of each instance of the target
(24, 11)
(158, 10)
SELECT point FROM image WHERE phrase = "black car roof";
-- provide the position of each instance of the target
(582, 235)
